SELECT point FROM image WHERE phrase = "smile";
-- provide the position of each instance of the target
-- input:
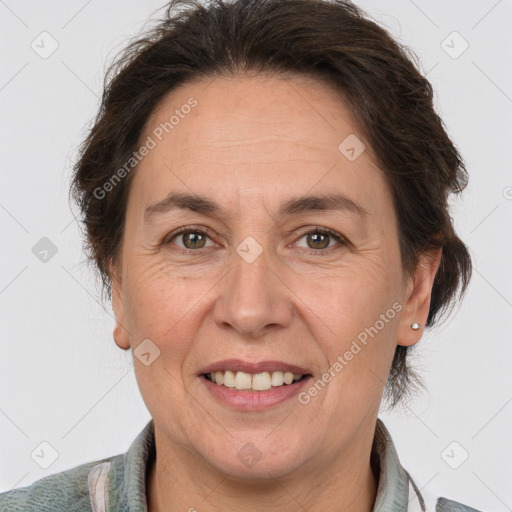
(256, 382)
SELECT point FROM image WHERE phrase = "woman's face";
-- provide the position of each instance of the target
(265, 278)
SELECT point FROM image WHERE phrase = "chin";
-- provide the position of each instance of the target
(255, 457)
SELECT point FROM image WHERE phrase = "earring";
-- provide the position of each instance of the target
(415, 326)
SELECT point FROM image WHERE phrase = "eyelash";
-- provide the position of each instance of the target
(316, 252)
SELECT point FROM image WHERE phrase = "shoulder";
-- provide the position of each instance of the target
(426, 502)
(446, 505)
(65, 491)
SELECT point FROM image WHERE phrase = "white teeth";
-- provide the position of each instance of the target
(277, 378)
(243, 380)
(257, 382)
(261, 381)
(229, 379)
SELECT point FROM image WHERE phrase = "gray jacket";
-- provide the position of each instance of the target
(117, 484)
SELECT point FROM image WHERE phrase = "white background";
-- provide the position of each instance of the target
(64, 381)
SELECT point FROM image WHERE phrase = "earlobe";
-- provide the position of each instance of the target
(120, 338)
(416, 304)
(120, 334)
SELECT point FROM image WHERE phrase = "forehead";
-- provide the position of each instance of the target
(260, 134)
(253, 110)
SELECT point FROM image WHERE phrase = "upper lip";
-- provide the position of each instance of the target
(248, 367)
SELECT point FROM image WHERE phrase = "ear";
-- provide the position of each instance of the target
(121, 334)
(416, 303)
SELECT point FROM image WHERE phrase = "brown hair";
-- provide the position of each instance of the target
(329, 40)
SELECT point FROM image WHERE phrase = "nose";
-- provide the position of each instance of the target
(254, 298)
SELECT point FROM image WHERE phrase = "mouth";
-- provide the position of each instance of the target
(263, 381)
(249, 386)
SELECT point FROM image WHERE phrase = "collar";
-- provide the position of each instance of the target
(396, 490)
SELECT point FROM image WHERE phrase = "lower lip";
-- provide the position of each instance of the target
(254, 400)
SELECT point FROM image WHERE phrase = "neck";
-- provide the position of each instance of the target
(183, 481)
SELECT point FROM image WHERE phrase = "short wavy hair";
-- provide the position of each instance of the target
(332, 41)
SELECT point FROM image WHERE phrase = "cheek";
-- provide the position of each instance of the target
(161, 305)
(357, 313)
(355, 294)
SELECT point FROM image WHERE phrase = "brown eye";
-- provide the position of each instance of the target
(193, 240)
(318, 240)
(190, 239)
(322, 241)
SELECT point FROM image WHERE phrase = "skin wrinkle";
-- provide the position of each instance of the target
(286, 305)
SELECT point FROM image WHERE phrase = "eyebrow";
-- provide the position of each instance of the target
(294, 206)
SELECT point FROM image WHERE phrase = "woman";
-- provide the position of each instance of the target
(264, 193)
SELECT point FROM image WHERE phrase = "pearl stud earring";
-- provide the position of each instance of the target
(415, 326)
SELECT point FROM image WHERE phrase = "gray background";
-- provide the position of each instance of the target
(64, 381)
